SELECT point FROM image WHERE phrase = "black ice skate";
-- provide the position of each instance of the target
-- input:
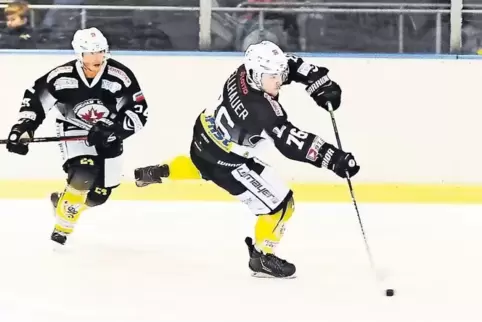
(58, 237)
(268, 265)
(151, 174)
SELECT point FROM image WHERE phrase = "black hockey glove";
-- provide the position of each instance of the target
(325, 90)
(103, 134)
(338, 161)
(22, 130)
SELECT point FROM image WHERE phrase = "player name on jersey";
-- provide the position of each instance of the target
(233, 96)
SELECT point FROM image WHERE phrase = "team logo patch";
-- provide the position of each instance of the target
(59, 70)
(90, 111)
(112, 87)
(66, 83)
(314, 150)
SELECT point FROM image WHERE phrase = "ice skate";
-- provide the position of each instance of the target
(58, 237)
(268, 265)
(151, 174)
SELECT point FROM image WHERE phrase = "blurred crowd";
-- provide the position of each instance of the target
(134, 29)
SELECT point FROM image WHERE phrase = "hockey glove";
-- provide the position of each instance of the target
(325, 90)
(24, 129)
(103, 134)
(338, 161)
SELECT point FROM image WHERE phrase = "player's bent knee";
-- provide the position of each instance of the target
(286, 209)
(97, 196)
(287, 203)
(82, 173)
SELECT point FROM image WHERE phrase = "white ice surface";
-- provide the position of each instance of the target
(133, 261)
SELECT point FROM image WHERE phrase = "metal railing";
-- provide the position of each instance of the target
(206, 9)
(344, 4)
(402, 9)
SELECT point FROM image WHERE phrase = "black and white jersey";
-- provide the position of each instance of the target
(245, 119)
(114, 94)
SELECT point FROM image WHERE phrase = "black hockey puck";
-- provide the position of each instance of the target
(389, 292)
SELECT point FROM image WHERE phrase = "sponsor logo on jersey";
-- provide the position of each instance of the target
(242, 81)
(66, 83)
(90, 111)
(120, 74)
(274, 104)
(111, 86)
(138, 97)
(218, 135)
(215, 136)
(227, 164)
(314, 150)
(59, 70)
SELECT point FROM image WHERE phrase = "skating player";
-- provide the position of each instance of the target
(248, 115)
(98, 97)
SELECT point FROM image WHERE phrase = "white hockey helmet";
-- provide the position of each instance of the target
(264, 58)
(89, 40)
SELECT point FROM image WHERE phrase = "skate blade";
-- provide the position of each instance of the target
(264, 275)
(142, 184)
(58, 248)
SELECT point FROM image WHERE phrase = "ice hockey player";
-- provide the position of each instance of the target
(97, 97)
(247, 115)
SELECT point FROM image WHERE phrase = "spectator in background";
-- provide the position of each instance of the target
(280, 28)
(17, 34)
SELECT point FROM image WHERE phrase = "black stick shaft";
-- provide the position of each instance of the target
(350, 186)
(50, 139)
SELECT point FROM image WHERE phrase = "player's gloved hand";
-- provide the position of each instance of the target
(338, 161)
(325, 90)
(103, 134)
(24, 129)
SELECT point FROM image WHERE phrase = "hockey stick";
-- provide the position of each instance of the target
(350, 186)
(50, 139)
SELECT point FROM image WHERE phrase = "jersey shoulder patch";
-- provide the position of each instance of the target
(277, 109)
(120, 71)
(64, 69)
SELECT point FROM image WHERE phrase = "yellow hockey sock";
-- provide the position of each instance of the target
(269, 229)
(182, 168)
(71, 204)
